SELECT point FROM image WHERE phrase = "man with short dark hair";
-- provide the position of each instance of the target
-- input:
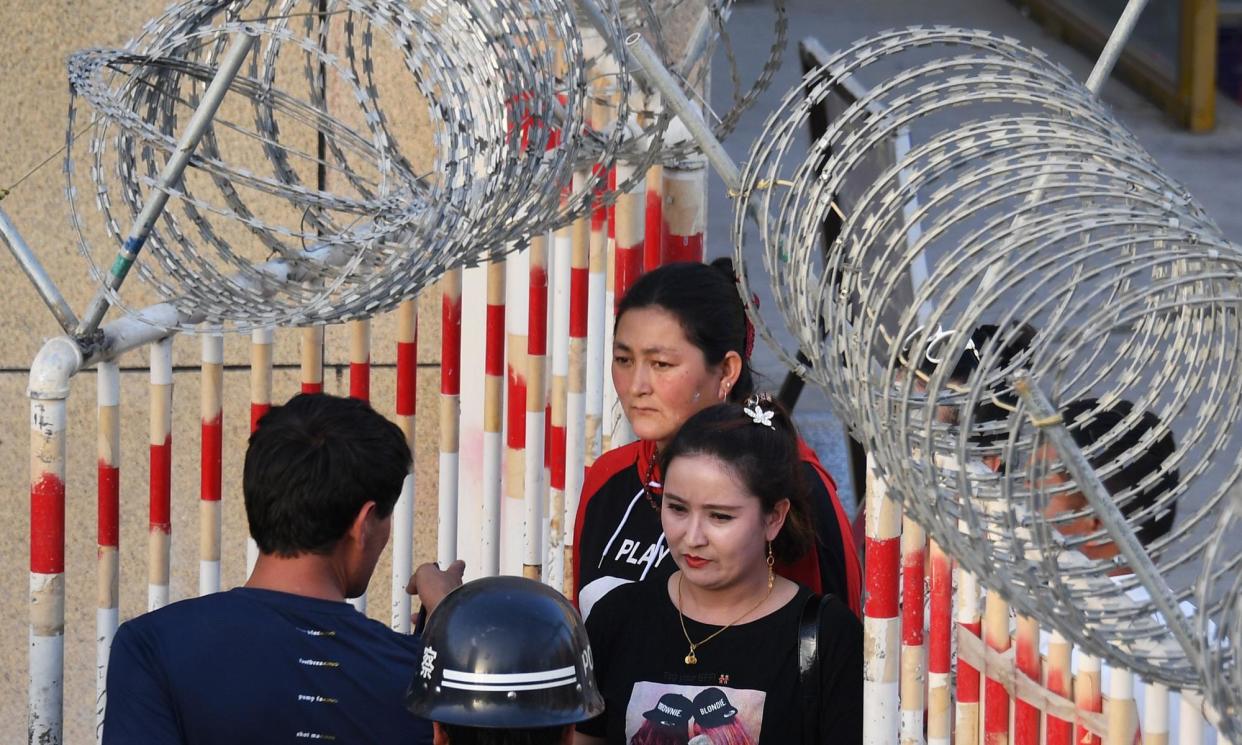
(285, 658)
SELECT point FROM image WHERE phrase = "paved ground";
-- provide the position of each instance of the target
(1210, 165)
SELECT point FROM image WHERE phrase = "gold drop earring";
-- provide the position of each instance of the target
(771, 567)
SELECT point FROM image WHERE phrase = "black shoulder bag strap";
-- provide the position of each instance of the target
(808, 667)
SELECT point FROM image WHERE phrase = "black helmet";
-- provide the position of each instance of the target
(505, 652)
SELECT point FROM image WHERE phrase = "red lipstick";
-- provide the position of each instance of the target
(694, 562)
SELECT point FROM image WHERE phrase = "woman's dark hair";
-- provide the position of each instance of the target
(765, 458)
(310, 467)
(705, 301)
(1090, 422)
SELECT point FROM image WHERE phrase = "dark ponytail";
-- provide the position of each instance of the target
(705, 301)
(765, 459)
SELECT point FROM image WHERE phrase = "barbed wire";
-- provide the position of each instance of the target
(997, 218)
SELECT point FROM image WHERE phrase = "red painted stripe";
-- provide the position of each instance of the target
(211, 459)
(578, 288)
(912, 598)
(47, 525)
(1059, 731)
(939, 643)
(312, 387)
(653, 251)
(450, 346)
(161, 485)
(612, 208)
(557, 454)
(1082, 735)
(1026, 716)
(967, 676)
(407, 378)
(629, 265)
(360, 380)
(109, 511)
(882, 562)
(256, 413)
(599, 213)
(681, 247)
(516, 407)
(537, 333)
(494, 356)
(995, 713)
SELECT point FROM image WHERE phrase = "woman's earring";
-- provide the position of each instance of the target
(771, 567)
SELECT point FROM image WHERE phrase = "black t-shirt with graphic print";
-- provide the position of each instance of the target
(745, 679)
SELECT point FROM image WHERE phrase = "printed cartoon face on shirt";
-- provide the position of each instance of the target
(661, 378)
(662, 714)
(716, 529)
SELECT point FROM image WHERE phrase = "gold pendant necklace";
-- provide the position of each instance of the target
(690, 658)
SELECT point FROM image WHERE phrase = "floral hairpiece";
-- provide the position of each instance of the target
(755, 411)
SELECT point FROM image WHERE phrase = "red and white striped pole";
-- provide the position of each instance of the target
(1026, 652)
(966, 726)
(602, 115)
(881, 626)
(939, 649)
(211, 451)
(653, 246)
(1121, 712)
(684, 217)
(260, 402)
(995, 697)
(535, 488)
(360, 359)
(1087, 696)
(159, 537)
(913, 655)
(1190, 719)
(493, 416)
(47, 569)
(610, 406)
(403, 512)
(575, 398)
(1026, 717)
(560, 522)
(312, 359)
(108, 528)
(450, 414)
(1059, 681)
(1155, 714)
(517, 318)
(629, 228)
(596, 355)
(360, 388)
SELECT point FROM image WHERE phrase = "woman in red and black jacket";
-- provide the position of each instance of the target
(682, 342)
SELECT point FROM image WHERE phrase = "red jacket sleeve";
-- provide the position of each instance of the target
(604, 468)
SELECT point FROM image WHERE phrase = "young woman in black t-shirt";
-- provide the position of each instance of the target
(710, 655)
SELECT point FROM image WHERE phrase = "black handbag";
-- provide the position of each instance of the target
(808, 666)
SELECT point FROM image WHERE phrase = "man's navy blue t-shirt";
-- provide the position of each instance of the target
(257, 666)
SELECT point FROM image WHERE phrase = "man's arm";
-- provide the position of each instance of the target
(140, 709)
(431, 583)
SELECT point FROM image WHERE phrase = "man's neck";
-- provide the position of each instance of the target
(308, 575)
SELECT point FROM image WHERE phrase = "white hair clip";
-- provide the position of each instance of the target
(759, 415)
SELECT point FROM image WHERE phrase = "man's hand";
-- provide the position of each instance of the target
(431, 583)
